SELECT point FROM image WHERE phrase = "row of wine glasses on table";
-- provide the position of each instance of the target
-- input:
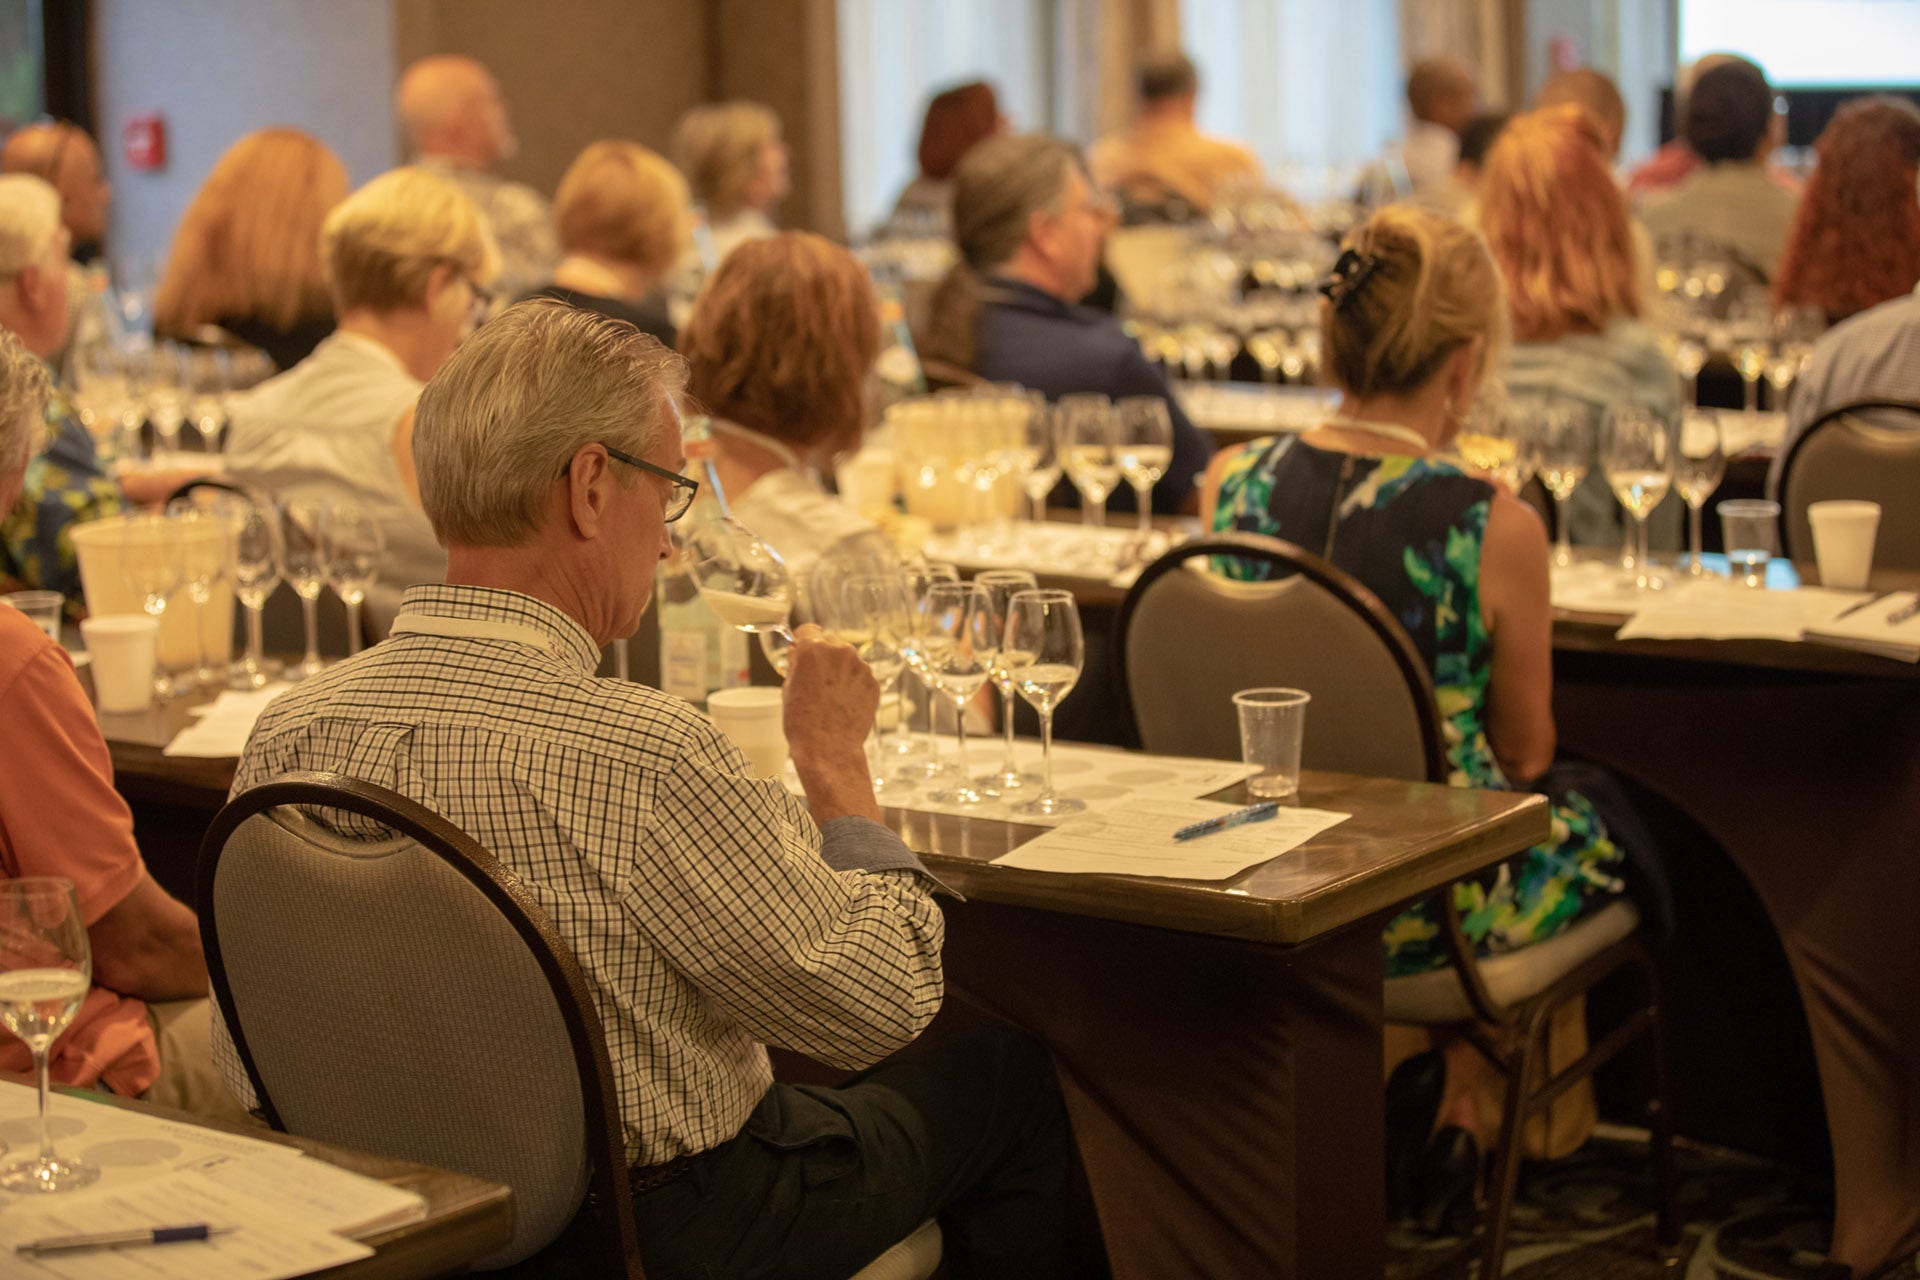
(208, 539)
(1286, 348)
(915, 619)
(967, 443)
(1640, 453)
(168, 386)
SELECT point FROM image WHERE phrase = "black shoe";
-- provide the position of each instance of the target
(1449, 1184)
(1414, 1091)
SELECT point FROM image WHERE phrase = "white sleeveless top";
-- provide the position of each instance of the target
(324, 430)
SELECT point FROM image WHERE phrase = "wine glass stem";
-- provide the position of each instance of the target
(255, 642)
(902, 726)
(960, 735)
(1046, 757)
(1143, 502)
(1692, 396)
(1693, 533)
(310, 612)
(41, 1053)
(1563, 529)
(200, 638)
(1086, 511)
(353, 627)
(1750, 392)
(1640, 534)
(933, 736)
(1098, 513)
(1010, 768)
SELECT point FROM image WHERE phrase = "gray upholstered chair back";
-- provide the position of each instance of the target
(403, 995)
(1190, 639)
(1846, 455)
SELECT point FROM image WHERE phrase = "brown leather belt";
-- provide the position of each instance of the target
(648, 1176)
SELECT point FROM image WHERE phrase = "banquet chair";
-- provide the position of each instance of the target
(1307, 624)
(363, 1020)
(1870, 451)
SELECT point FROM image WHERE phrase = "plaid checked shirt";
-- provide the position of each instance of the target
(708, 912)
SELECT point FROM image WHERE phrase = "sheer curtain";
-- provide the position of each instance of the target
(1102, 42)
(1314, 88)
(895, 54)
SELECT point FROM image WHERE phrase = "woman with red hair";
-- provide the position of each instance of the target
(957, 119)
(1559, 231)
(1855, 241)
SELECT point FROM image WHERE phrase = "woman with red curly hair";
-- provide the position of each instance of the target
(957, 119)
(1855, 241)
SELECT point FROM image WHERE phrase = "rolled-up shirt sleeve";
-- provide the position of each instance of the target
(838, 961)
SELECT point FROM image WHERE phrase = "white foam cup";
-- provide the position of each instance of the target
(122, 646)
(751, 717)
(1843, 533)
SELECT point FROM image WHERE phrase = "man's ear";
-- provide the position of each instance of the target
(589, 484)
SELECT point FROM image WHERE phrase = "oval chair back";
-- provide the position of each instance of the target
(1844, 454)
(391, 987)
(1189, 639)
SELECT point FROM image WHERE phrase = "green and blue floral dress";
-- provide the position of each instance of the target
(1410, 529)
(66, 484)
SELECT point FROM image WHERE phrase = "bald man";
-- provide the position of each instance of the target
(64, 156)
(456, 119)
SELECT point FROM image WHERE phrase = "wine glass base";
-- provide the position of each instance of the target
(962, 793)
(995, 784)
(245, 677)
(302, 669)
(47, 1175)
(927, 771)
(1047, 806)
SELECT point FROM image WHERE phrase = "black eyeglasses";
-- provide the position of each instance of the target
(683, 492)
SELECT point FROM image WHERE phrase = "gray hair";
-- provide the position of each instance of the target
(997, 188)
(501, 420)
(24, 390)
(29, 222)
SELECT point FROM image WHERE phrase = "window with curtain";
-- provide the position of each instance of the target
(895, 54)
(1314, 88)
(22, 95)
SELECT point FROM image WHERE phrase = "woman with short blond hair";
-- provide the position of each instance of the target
(1559, 232)
(736, 164)
(624, 220)
(779, 349)
(246, 256)
(408, 260)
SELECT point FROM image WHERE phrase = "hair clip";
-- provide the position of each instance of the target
(1351, 271)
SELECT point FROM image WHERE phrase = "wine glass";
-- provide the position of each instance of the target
(741, 578)
(1689, 358)
(1088, 430)
(303, 562)
(1038, 458)
(874, 618)
(1043, 655)
(1639, 463)
(920, 579)
(1146, 449)
(960, 644)
(256, 572)
(167, 396)
(1697, 472)
(202, 533)
(150, 567)
(46, 969)
(1565, 442)
(352, 544)
(1001, 585)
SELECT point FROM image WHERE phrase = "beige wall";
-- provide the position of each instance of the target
(785, 53)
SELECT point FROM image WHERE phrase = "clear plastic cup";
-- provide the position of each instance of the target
(1750, 528)
(1272, 725)
(43, 607)
(1843, 533)
(751, 717)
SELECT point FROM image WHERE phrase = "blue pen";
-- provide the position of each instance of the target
(1238, 818)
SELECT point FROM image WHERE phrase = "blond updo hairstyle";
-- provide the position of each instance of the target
(1434, 289)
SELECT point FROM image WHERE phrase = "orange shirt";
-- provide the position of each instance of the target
(60, 816)
(1170, 156)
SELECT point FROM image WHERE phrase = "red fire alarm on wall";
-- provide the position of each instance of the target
(144, 140)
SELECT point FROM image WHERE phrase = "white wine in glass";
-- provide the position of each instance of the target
(1001, 585)
(256, 572)
(741, 578)
(1565, 453)
(150, 567)
(46, 969)
(960, 644)
(304, 565)
(1697, 472)
(1639, 463)
(1146, 449)
(202, 533)
(1045, 653)
(1088, 430)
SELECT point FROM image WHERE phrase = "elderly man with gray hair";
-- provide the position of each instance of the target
(713, 912)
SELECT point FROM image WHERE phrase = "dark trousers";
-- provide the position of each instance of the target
(967, 1127)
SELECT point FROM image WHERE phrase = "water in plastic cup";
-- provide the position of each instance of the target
(1272, 723)
(1843, 542)
(122, 645)
(751, 717)
(43, 607)
(1750, 528)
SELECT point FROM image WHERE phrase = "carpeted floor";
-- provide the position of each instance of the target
(1590, 1217)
